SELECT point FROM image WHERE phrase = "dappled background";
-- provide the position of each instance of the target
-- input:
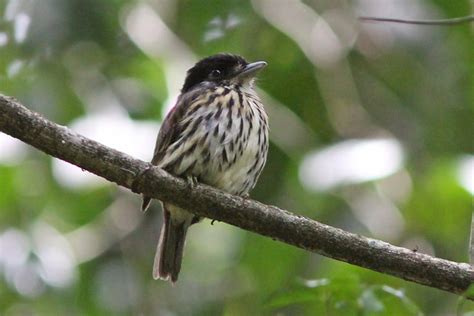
(371, 131)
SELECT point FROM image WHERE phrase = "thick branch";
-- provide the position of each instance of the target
(141, 177)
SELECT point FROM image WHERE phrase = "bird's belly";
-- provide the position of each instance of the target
(235, 177)
(237, 161)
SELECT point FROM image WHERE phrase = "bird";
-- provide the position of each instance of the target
(216, 134)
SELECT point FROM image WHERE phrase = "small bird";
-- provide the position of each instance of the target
(216, 134)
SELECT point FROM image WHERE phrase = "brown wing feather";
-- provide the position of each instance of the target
(170, 130)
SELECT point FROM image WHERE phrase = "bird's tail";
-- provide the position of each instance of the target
(170, 247)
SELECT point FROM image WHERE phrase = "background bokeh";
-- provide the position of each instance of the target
(371, 131)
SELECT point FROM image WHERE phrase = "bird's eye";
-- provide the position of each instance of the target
(215, 74)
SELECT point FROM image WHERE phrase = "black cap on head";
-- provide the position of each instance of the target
(213, 68)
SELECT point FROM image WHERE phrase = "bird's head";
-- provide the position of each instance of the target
(222, 68)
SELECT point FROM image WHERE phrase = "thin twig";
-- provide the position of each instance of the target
(453, 21)
(266, 220)
(471, 243)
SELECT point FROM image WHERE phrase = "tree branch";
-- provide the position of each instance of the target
(142, 177)
(453, 21)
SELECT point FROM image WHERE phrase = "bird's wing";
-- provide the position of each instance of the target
(170, 131)
(171, 128)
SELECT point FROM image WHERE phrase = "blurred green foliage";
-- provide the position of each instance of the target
(84, 248)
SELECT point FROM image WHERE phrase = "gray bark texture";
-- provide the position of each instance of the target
(271, 221)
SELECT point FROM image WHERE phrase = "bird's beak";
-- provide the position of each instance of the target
(251, 70)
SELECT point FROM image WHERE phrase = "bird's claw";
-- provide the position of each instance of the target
(192, 181)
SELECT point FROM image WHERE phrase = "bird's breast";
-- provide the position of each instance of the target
(225, 140)
(238, 144)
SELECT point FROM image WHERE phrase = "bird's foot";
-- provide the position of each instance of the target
(192, 181)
